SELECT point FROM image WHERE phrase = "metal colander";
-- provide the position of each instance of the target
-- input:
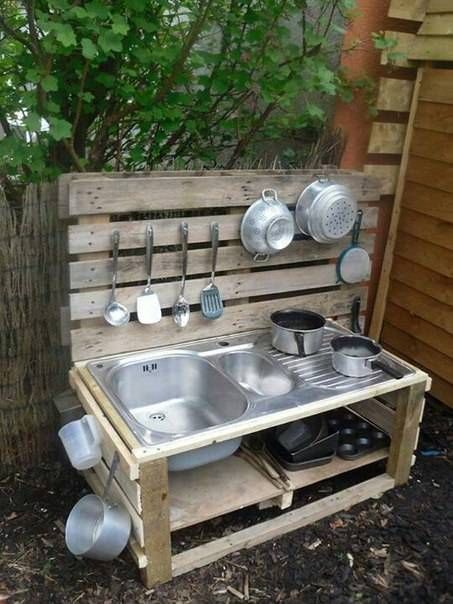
(326, 211)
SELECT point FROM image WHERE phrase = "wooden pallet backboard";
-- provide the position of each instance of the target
(302, 275)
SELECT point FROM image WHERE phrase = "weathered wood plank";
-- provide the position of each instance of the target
(409, 409)
(411, 10)
(425, 253)
(99, 196)
(387, 176)
(429, 229)
(439, 6)
(424, 280)
(386, 138)
(97, 237)
(428, 201)
(434, 116)
(431, 48)
(434, 174)
(404, 42)
(437, 86)
(432, 145)
(285, 523)
(421, 305)
(90, 304)
(394, 94)
(101, 341)
(418, 351)
(437, 25)
(95, 273)
(424, 331)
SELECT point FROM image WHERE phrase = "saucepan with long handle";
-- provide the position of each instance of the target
(359, 356)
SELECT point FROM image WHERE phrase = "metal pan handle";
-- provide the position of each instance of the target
(383, 366)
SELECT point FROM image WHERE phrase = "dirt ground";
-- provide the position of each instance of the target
(395, 549)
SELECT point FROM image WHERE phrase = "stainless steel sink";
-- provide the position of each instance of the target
(257, 372)
(176, 394)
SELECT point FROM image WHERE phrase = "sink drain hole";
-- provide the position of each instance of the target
(157, 417)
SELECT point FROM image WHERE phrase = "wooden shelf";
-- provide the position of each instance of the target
(232, 484)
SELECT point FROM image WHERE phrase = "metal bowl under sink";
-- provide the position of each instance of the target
(176, 394)
(257, 372)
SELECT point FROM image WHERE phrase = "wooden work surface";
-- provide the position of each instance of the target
(302, 275)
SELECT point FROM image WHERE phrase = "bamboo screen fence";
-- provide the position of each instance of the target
(33, 364)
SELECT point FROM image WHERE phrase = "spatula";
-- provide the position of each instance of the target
(211, 300)
(148, 305)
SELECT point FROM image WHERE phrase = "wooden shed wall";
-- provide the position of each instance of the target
(418, 321)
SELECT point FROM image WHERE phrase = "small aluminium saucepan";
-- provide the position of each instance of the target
(297, 332)
(358, 356)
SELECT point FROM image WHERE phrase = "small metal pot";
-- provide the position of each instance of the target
(358, 356)
(297, 332)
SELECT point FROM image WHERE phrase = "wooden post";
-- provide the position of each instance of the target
(156, 521)
(409, 406)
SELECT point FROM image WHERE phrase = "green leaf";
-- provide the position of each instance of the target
(89, 49)
(59, 128)
(97, 9)
(33, 75)
(33, 122)
(109, 41)
(119, 25)
(65, 34)
(49, 83)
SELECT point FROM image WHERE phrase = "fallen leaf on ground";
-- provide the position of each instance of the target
(313, 545)
(412, 567)
(379, 553)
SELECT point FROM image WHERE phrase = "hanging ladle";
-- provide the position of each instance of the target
(115, 314)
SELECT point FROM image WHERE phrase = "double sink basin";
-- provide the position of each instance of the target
(176, 392)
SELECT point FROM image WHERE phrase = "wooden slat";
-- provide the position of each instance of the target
(382, 290)
(376, 412)
(431, 48)
(423, 306)
(404, 42)
(437, 86)
(434, 116)
(386, 138)
(427, 228)
(439, 6)
(97, 237)
(423, 280)
(131, 268)
(433, 145)
(431, 173)
(437, 259)
(99, 196)
(422, 330)
(418, 351)
(285, 523)
(387, 176)
(428, 201)
(100, 341)
(409, 410)
(437, 25)
(411, 10)
(90, 304)
(394, 94)
(442, 391)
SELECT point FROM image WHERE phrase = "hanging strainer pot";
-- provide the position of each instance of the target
(326, 210)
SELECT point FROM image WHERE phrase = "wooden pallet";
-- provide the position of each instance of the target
(303, 275)
(160, 503)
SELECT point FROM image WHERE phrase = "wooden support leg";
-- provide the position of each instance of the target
(156, 522)
(409, 407)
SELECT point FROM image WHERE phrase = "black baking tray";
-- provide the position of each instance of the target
(357, 437)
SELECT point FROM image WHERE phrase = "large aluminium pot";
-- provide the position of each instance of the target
(326, 210)
(359, 356)
(297, 332)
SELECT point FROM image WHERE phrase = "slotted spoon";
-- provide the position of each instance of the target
(211, 300)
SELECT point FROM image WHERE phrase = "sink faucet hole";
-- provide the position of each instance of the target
(157, 417)
(223, 343)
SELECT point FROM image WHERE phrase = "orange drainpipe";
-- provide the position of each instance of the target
(353, 118)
